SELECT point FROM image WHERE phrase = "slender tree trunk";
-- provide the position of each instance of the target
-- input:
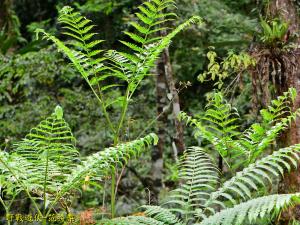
(178, 139)
(286, 10)
(164, 84)
(161, 102)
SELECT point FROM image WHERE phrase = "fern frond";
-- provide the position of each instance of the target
(200, 178)
(78, 27)
(256, 175)
(78, 59)
(162, 215)
(50, 153)
(100, 164)
(82, 49)
(146, 42)
(132, 220)
(10, 171)
(47, 164)
(252, 211)
(218, 127)
(276, 118)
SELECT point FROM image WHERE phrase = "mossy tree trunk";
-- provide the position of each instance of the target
(287, 11)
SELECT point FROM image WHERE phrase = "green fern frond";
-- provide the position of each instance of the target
(256, 175)
(163, 215)
(146, 42)
(78, 59)
(100, 164)
(82, 49)
(153, 215)
(46, 164)
(252, 211)
(200, 177)
(220, 119)
(276, 118)
(11, 173)
(79, 28)
(218, 127)
(50, 150)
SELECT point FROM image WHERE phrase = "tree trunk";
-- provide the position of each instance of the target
(162, 120)
(178, 139)
(286, 10)
(164, 84)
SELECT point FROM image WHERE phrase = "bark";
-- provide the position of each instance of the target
(165, 83)
(178, 139)
(161, 102)
(291, 183)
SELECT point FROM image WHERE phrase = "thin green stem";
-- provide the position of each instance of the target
(123, 113)
(113, 196)
(116, 141)
(100, 99)
(45, 182)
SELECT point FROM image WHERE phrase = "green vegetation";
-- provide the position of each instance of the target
(163, 112)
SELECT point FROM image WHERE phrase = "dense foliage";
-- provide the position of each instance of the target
(116, 73)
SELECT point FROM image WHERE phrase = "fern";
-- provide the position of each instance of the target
(275, 119)
(128, 69)
(162, 215)
(203, 199)
(46, 165)
(9, 189)
(250, 179)
(50, 147)
(197, 199)
(200, 177)
(153, 215)
(47, 154)
(220, 119)
(146, 44)
(100, 163)
(217, 126)
(251, 211)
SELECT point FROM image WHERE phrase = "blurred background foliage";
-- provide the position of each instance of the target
(34, 77)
